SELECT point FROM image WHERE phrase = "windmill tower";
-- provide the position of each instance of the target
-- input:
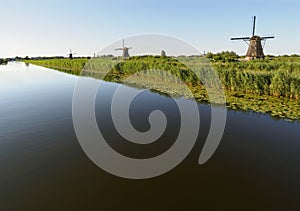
(255, 50)
(125, 50)
(71, 54)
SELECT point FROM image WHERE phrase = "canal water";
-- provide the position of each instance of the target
(43, 167)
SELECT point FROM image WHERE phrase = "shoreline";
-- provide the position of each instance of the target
(278, 107)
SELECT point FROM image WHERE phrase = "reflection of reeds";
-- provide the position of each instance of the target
(276, 107)
(263, 87)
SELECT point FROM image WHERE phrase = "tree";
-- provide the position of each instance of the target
(224, 56)
(209, 55)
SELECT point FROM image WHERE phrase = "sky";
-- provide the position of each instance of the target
(52, 27)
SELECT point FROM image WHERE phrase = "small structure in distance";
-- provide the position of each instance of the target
(71, 54)
(125, 50)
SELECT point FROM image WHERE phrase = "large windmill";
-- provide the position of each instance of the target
(255, 50)
(125, 50)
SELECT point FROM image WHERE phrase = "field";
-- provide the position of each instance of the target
(74, 66)
(278, 77)
(3, 61)
(266, 86)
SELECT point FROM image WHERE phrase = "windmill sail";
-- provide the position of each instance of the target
(255, 49)
(124, 49)
(254, 22)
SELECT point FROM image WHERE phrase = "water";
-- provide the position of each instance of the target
(257, 165)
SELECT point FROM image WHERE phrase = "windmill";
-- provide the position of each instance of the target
(71, 54)
(255, 50)
(125, 50)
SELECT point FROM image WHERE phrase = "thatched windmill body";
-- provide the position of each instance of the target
(255, 50)
(125, 50)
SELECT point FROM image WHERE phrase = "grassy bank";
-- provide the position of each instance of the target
(271, 77)
(74, 66)
(3, 61)
(265, 86)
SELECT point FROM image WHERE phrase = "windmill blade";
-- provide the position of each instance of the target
(254, 23)
(265, 38)
(240, 38)
(119, 49)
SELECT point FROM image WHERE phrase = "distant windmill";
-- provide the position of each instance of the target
(71, 54)
(255, 50)
(125, 50)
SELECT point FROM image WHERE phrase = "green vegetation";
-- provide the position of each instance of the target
(277, 107)
(266, 86)
(74, 66)
(224, 56)
(3, 61)
(154, 64)
(163, 53)
(278, 76)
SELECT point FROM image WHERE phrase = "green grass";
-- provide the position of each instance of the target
(279, 76)
(265, 86)
(73, 66)
(3, 61)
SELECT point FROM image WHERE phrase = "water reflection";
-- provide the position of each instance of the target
(43, 166)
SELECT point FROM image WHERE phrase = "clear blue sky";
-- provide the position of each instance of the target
(51, 27)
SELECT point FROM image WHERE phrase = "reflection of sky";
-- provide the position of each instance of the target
(19, 83)
(32, 96)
